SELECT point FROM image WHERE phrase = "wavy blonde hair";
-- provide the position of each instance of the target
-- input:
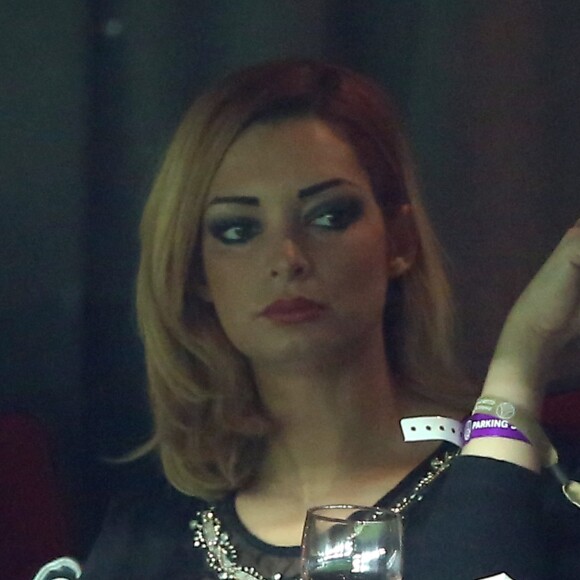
(210, 428)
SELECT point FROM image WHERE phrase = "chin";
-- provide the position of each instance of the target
(302, 352)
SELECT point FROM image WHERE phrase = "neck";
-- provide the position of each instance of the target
(334, 419)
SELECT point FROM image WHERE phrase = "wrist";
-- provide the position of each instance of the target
(517, 372)
(522, 354)
(510, 442)
(521, 387)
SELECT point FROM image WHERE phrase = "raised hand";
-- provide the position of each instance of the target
(544, 318)
(549, 308)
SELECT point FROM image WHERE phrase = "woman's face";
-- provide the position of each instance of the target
(294, 245)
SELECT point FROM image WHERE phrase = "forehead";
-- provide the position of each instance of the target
(291, 153)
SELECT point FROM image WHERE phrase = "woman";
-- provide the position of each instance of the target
(294, 308)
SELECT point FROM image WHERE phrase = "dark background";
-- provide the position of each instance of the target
(90, 93)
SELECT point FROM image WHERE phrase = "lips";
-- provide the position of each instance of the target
(293, 310)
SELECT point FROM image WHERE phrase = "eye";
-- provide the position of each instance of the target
(234, 230)
(335, 215)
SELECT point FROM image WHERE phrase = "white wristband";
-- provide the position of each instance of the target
(432, 429)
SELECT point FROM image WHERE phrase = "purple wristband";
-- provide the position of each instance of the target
(480, 425)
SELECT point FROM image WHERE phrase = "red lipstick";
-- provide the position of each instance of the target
(293, 310)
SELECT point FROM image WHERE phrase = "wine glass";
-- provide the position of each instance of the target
(348, 542)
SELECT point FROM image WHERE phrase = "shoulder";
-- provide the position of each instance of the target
(154, 504)
(146, 533)
(504, 516)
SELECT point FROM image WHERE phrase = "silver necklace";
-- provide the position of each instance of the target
(221, 555)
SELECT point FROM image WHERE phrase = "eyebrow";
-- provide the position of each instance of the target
(302, 193)
(242, 199)
(322, 186)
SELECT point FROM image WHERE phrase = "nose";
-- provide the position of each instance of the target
(291, 262)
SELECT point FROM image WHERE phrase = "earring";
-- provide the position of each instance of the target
(397, 266)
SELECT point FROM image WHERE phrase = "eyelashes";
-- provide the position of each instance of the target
(333, 216)
(234, 230)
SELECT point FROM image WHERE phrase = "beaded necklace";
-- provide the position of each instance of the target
(221, 555)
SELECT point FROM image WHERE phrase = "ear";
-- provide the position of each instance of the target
(404, 241)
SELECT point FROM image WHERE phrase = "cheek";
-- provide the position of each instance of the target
(229, 288)
(235, 306)
(220, 270)
(225, 285)
(361, 267)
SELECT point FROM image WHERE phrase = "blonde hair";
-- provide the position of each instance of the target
(210, 428)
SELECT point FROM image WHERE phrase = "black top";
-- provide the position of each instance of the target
(477, 518)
